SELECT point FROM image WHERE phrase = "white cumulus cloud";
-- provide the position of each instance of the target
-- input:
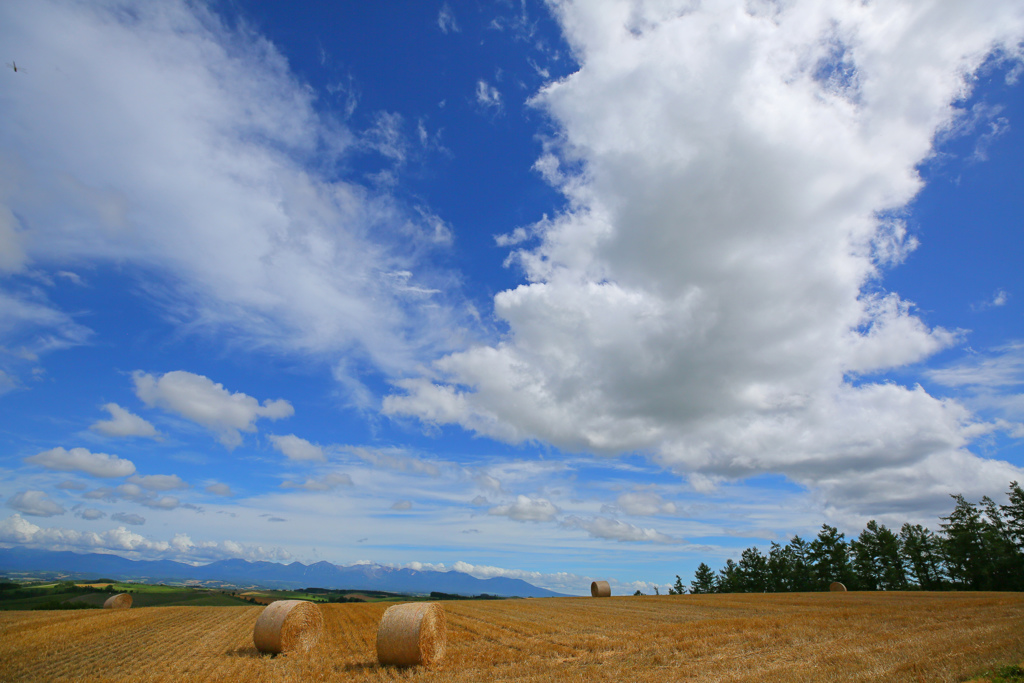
(615, 530)
(135, 493)
(644, 504)
(526, 509)
(296, 448)
(158, 482)
(128, 518)
(81, 460)
(161, 503)
(124, 423)
(35, 503)
(711, 295)
(219, 489)
(200, 399)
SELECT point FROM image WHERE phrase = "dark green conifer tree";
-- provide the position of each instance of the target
(921, 551)
(752, 571)
(876, 559)
(1013, 512)
(728, 578)
(800, 565)
(1006, 564)
(963, 547)
(703, 581)
(779, 571)
(830, 555)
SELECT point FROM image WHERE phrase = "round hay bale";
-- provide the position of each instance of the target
(600, 589)
(288, 626)
(412, 633)
(119, 601)
(837, 587)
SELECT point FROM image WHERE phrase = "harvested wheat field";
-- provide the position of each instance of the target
(783, 637)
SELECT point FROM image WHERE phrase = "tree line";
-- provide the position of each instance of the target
(977, 547)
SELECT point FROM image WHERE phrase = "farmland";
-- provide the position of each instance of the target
(739, 637)
(64, 594)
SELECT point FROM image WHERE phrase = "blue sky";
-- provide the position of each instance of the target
(553, 291)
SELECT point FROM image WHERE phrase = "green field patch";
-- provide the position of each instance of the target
(149, 589)
(68, 595)
(186, 596)
(214, 600)
(34, 601)
(94, 599)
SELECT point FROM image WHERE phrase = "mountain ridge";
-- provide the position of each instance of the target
(320, 574)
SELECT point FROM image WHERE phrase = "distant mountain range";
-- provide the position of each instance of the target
(265, 574)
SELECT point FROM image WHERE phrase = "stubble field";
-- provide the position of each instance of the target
(783, 637)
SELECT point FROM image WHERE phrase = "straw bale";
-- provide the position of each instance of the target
(119, 601)
(288, 626)
(412, 633)
(600, 589)
(837, 587)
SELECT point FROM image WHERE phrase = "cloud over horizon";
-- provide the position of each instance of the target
(16, 529)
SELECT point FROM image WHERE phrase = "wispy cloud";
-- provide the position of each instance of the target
(243, 233)
(487, 95)
(990, 381)
(446, 20)
(999, 299)
(327, 482)
(395, 459)
(31, 326)
(1003, 368)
